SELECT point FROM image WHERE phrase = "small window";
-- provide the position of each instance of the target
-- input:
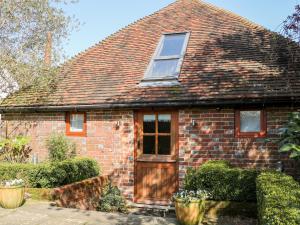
(250, 123)
(76, 124)
(168, 57)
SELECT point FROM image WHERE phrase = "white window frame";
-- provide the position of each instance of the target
(148, 76)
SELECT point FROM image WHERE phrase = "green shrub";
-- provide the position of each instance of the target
(290, 139)
(111, 200)
(56, 174)
(49, 175)
(223, 181)
(10, 171)
(278, 199)
(15, 150)
(60, 147)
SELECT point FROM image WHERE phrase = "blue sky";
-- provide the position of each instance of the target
(101, 18)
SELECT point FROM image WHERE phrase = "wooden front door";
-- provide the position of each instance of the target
(156, 146)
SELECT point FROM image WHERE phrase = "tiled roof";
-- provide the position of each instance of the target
(228, 58)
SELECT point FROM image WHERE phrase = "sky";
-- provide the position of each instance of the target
(101, 18)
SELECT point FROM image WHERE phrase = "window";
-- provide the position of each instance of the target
(76, 124)
(157, 134)
(168, 57)
(250, 123)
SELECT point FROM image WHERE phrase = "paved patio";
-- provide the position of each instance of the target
(42, 213)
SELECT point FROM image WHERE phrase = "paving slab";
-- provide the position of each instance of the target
(43, 213)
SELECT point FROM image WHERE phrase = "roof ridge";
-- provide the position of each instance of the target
(105, 40)
(232, 14)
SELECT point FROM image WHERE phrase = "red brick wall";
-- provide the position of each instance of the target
(113, 147)
(213, 137)
(80, 195)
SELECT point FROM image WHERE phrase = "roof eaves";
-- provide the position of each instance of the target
(258, 102)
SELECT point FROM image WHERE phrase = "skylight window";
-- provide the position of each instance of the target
(168, 57)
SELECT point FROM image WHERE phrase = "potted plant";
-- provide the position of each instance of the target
(12, 193)
(190, 206)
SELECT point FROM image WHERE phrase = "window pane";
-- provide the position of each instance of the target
(172, 45)
(164, 123)
(149, 145)
(250, 121)
(76, 122)
(161, 68)
(164, 145)
(149, 124)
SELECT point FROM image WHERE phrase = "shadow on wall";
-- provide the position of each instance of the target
(11, 128)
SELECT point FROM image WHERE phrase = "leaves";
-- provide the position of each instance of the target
(15, 149)
(60, 147)
(290, 137)
(111, 200)
(222, 181)
(23, 29)
(292, 25)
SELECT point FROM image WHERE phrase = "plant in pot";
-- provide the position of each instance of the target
(190, 206)
(12, 193)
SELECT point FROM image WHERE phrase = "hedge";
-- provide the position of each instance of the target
(49, 175)
(222, 181)
(278, 199)
(10, 171)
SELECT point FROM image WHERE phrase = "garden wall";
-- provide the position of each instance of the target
(80, 195)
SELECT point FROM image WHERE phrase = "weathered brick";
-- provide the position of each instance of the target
(114, 148)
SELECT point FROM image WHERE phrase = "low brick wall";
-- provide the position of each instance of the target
(80, 195)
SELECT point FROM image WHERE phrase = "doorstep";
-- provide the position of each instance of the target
(151, 210)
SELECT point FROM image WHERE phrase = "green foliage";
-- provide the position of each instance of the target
(222, 181)
(290, 137)
(9, 171)
(49, 175)
(40, 194)
(111, 200)
(189, 196)
(65, 172)
(15, 150)
(24, 28)
(60, 147)
(278, 199)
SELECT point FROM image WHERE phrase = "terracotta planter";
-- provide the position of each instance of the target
(11, 197)
(191, 213)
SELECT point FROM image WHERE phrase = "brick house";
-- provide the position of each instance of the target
(187, 84)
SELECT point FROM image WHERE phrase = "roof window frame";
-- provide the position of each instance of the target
(156, 57)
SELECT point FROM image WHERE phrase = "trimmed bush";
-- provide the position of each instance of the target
(223, 181)
(49, 175)
(278, 199)
(10, 171)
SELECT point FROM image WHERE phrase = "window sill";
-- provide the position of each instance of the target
(150, 82)
(251, 135)
(76, 134)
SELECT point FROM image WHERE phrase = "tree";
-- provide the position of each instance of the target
(291, 26)
(25, 27)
